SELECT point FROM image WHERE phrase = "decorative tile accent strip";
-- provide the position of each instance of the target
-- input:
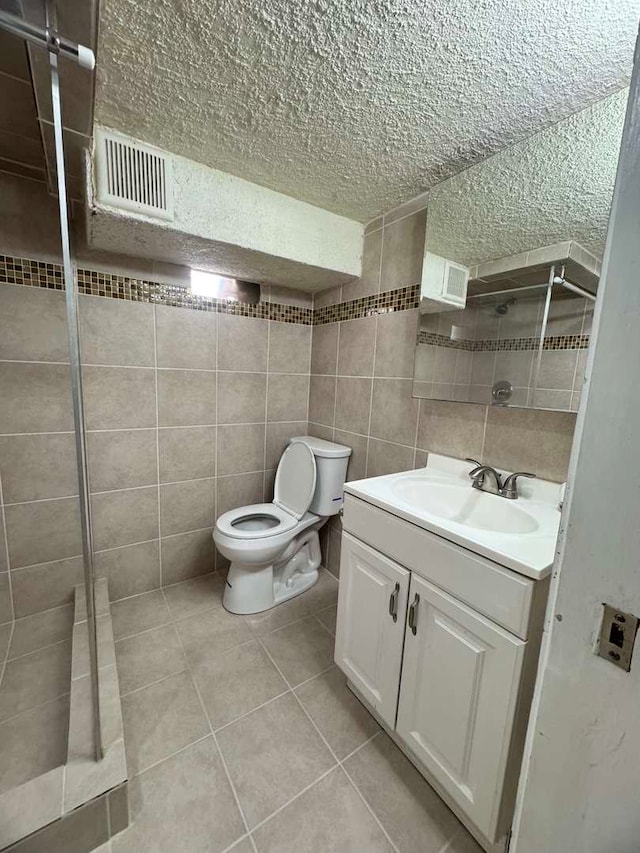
(554, 342)
(402, 299)
(47, 275)
(50, 276)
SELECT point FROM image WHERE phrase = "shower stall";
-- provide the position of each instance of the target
(61, 746)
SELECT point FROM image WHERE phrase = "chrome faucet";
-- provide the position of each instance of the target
(507, 489)
(479, 476)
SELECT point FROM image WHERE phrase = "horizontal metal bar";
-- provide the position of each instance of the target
(575, 288)
(511, 290)
(48, 39)
(558, 280)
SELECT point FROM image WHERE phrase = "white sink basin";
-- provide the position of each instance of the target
(520, 534)
(464, 505)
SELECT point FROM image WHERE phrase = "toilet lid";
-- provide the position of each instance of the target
(295, 480)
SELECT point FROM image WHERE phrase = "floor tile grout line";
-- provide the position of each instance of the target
(369, 807)
(194, 579)
(190, 666)
(290, 689)
(35, 707)
(168, 757)
(330, 633)
(273, 698)
(310, 615)
(42, 613)
(145, 631)
(246, 837)
(313, 677)
(156, 681)
(361, 746)
(175, 619)
(217, 745)
(40, 649)
(333, 754)
(252, 710)
(214, 732)
(295, 797)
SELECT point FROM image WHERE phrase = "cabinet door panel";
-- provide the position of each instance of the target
(368, 639)
(460, 680)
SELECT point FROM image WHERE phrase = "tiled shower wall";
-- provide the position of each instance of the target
(187, 413)
(362, 377)
(491, 347)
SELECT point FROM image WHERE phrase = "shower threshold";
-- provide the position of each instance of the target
(61, 782)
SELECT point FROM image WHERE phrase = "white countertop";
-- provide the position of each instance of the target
(518, 534)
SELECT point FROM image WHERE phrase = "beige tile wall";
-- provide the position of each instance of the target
(449, 374)
(187, 413)
(361, 387)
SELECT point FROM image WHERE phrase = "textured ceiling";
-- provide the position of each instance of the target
(353, 105)
(556, 185)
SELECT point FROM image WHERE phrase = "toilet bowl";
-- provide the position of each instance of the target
(274, 548)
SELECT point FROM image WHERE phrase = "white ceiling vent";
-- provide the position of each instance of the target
(444, 284)
(133, 176)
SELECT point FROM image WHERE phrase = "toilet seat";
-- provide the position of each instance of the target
(256, 521)
(294, 488)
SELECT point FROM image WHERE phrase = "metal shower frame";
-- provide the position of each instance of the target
(57, 46)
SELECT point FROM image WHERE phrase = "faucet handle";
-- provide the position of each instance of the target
(510, 487)
(475, 463)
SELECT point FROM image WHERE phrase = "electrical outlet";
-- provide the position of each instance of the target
(617, 636)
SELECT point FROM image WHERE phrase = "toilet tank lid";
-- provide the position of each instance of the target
(322, 448)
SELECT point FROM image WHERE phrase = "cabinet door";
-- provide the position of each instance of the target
(372, 604)
(460, 680)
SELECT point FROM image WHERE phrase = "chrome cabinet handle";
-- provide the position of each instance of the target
(413, 615)
(393, 603)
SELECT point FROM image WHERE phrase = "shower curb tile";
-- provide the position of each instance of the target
(28, 807)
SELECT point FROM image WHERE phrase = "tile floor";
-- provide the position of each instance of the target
(242, 736)
(35, 678)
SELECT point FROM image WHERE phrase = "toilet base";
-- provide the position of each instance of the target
(254, 589)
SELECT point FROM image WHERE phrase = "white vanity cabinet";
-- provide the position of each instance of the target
(371, 613)
(458, 693)
(450, 683)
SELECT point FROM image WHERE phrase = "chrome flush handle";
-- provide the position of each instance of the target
(393, 603)
(413, 615)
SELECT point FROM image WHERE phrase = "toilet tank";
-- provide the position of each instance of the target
(331, 471)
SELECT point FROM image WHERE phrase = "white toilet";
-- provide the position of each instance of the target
(274, 548)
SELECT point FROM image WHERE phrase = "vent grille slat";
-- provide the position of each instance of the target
(133, 176)
(456, 285)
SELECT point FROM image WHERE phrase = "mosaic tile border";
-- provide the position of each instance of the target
(401, 299)
(50, 276)
(553, 342)
(47, 275)
(33, 273)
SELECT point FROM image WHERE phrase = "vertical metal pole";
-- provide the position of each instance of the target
(71, 297)
(543, 332)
